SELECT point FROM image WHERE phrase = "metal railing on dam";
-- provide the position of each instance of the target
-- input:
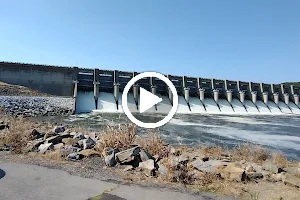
(96, 89)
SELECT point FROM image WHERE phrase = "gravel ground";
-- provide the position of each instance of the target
(91, 168)
(36, 106)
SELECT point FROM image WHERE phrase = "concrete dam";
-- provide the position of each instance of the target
(101, 90)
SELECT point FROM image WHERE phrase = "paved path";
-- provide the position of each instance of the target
(23, 181)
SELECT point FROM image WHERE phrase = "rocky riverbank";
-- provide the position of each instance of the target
(36, 106)
(244, 172)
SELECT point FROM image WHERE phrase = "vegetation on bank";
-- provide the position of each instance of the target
(246, 166)
(296, 84)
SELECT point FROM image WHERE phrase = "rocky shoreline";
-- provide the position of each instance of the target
(121, 151)
(36, 106)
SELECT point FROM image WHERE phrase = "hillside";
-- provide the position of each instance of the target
(17, 90)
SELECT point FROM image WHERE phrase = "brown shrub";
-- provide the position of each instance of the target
(18, 134)
(254, 153)
(121, 137)
(153, 143)
(218, 150)
(279, 159)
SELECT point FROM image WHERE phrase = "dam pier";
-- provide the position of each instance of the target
(101, 90)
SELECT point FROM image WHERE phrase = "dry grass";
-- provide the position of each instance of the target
(54, 155)
(121, 137)
(18, 134)
(213, 150)
(153, 143)
(248, 152)
(279, 159)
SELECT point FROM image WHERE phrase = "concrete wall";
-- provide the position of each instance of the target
(48, 79)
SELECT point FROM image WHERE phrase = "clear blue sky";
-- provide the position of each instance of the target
(238, 40)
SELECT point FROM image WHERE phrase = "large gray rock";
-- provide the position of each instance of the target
(44, 147)
(293, 170)
(252, 176)
(109, 157)
(69, 141)
(80, 136)
(269, 166)
(88, 143)
(54, 139)
(148, 164)
(276, 177)
(209, 166)
(162, 169)
(36, 134)
(144, 155)
(73, 156)
(128, 155)
(292, 180)
(59, 129)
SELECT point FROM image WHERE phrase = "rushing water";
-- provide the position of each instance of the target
(279, 132)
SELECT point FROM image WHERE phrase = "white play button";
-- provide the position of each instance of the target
(147, 100)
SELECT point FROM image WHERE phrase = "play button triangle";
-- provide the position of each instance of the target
(147, 100)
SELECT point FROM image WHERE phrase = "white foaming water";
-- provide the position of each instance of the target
(263, 109)
(238, 107)
(196, 105)
(284, 108)
(274, 108)
(165, 105)
(294, 108)
(182, 106)
(106, 102)
(85, 102)
(257, 137)
(211, 106)
(130, 102)
(251, 108)
(225, 106)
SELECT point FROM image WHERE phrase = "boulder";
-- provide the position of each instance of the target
(73, 134)
(276, 177)
(69, 141)
(144, 155)
(44, 147)
(252, 176)
(293, 170)
(234, 172)
(38, 142)
(128, 155)
(59, 129)
(88, 143)
(209, 166)
(80, 142)
(65, 135)
(88, 153)
(54, 139)
(73, 156)
(36, 134)
(6, 147)
(109, 157)
(80, 136)
(148, 164)
(48, 135)
(269, 166)
(291, 180)
(234, 168)
(162, 169)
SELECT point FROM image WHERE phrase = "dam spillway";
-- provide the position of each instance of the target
(104, 89)
(101, 90)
